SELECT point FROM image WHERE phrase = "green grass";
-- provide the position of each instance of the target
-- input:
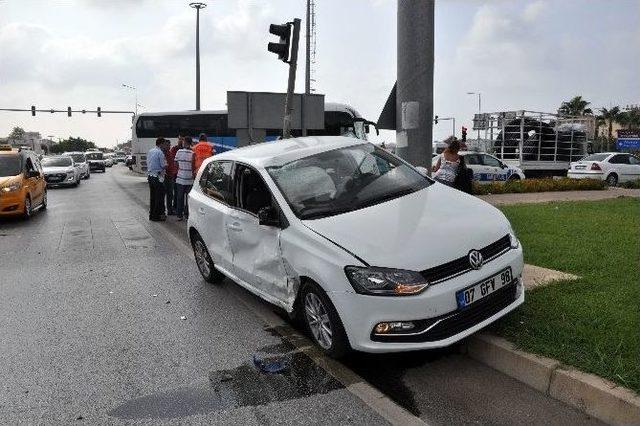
(592, 323)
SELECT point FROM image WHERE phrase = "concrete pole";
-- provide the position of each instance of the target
(198, 59)
(414, 98)
(307, 76)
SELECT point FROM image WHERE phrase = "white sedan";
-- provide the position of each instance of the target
(369, 253)
(487, 168)
(613, 167)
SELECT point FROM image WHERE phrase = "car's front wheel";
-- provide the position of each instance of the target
(44, 201)
(612, 179)
(322, 321)
(204, 261)
(28, 209)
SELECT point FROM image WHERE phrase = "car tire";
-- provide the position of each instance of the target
(612, 179)
(204, 261)
(43, 206)
(322, 321)
(514, 177)
(28, 209)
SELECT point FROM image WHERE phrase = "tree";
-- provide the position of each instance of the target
(72, 144)
(17, 134)
(630, 118)
(575, 106)
(610, 116)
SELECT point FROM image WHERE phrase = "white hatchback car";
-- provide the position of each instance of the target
(355, 242)
(486, 168)
(613, 167)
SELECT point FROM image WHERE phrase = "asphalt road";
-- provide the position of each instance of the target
(104, 318)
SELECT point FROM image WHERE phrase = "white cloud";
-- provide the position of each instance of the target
(533, 10)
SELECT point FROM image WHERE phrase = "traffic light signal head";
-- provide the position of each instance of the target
(464, 134)
(282, 47)
(33, 110)
(435, 119)
(99, 112)
(69, 111)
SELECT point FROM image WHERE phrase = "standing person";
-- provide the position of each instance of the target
(170, 178)
(202, 151)
(156, 166)
(174, 149)
(185, 158)
(446, 168)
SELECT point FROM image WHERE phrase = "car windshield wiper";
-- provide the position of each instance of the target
(318, 212)
(386, 197)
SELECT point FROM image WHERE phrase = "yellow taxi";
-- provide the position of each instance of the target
(23, 188)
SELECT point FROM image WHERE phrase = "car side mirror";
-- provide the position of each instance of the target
(422, 170)
(268, 216)
(33, 173)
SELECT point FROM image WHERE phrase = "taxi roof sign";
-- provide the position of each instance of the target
(6, 147)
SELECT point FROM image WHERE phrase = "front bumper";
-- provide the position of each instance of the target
(360, 313)
(64, 182)
(97, 166)
(585, 175)
(11, 203)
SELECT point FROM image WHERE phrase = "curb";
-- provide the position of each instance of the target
(588, 393)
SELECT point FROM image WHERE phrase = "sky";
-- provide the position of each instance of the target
(519, 54)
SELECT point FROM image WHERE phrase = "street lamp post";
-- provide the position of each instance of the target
(479, 108)
(197, 7)
(136, 94)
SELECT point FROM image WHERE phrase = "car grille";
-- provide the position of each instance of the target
(459, 266)
(55, 177)
(456, 322)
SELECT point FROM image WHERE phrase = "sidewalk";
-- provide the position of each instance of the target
(544, 197)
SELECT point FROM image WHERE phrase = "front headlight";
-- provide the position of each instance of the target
(11, 187)
(515, 243)
(385, 281)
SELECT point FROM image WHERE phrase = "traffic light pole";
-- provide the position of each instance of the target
(293, 63)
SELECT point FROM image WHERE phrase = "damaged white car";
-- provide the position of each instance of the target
(370, 254)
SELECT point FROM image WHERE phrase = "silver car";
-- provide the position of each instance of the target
(60, 171)
(81, 163)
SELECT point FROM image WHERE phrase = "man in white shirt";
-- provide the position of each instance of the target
(156, 166)
(185, 159)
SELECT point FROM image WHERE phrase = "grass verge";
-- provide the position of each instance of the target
(538, 185)
(592, 323)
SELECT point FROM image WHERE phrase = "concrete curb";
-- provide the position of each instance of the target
(588, 393)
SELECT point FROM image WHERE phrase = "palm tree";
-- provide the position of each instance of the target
(630, 118)
(610, 115)
(575, 106)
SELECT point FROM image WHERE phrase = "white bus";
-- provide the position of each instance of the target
(340, 119)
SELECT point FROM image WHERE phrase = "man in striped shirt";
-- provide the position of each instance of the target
(185, 159)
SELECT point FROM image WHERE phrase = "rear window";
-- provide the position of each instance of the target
(94, 156)
(78, 158)
(595, 157)
(9, 165)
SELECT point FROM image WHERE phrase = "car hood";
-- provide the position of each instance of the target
(48, 170)
(418, 231)
(7, 180)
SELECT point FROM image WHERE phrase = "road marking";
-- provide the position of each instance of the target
(353, 383)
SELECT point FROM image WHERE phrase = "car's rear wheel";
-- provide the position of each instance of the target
(514, 177)
(322, 321)
(612, 179)
(204, 261)
(28, 209)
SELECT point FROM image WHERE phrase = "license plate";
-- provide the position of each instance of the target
(484, 288)
(54, 179)
(581, 167)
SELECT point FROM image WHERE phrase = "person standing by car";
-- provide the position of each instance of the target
(446, 168)
(170, 179)
(185, 160)
(202, 151)
(156, 167)
(172, 153)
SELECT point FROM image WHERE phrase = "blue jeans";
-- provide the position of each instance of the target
(181, 199)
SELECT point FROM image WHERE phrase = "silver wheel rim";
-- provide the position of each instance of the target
(44, 200)
(611, 180)
(202, 259)
(318, 320)
(27, 206)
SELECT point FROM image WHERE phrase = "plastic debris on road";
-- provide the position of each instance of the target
(272, 366)
(183, 318)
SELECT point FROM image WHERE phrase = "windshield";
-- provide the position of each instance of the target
(595, 157)
(9, 165)
(78, 158)
(56, 162)
(344, 180)
(94, 156)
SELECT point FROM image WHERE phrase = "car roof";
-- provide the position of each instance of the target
(284, 151)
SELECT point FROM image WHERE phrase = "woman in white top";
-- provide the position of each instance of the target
(185, 160)
(448, 164)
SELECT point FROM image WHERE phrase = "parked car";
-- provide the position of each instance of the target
(80, 160)
(23, 189)
(614, 167)
(96, 160)
(60, 171)
(119, 157)
(129, 161)
(487, 168)
(369, 253)
(108, 160)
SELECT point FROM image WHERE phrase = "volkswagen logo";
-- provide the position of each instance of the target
(475, 259)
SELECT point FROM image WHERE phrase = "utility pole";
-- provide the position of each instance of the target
(479, 110)
(307, 76)
(197, 7)
(293, 64)
(136, 93)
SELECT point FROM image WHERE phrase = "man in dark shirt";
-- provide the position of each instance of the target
(170, 178)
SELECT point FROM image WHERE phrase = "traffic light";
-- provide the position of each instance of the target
(435, 119)
(33, 110)
(282, 47)
(68, 111)
(99, 112)
(464, 134)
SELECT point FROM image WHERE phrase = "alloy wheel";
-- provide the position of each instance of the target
(202, 258)
(27, 207)
(318, 320)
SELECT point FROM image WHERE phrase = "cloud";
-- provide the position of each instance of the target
(533, 10)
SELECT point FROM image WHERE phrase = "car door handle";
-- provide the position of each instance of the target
(201, 211)
(235, 226)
